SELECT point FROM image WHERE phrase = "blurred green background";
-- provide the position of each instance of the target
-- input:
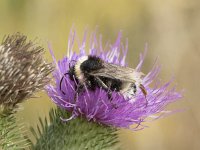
(172, 30)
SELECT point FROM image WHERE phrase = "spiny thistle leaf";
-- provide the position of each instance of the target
(12, 133)
(77, 134)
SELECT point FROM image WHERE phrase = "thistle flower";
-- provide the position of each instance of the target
(95, 105)
(23, 70)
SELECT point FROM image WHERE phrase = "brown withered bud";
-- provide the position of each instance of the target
(23, 70)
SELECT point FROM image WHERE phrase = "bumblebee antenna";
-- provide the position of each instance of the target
(61, 82)
(64, 76)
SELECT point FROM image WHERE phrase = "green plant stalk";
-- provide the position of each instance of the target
(76, 134)
(12, 133)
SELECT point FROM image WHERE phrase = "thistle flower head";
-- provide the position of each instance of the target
(23, 70)
(96, 105)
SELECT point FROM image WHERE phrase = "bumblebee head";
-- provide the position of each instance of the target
(77, 68)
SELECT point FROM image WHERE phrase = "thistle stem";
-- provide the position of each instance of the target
(12, 133)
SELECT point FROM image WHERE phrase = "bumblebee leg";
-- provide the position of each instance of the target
(110, 95)
(79, 89)
(102, 84)
(144, 91)
(111, 98)
(105, 87)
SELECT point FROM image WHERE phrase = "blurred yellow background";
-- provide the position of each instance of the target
(172, 30)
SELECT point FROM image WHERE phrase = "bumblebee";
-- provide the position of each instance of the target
(94, 72)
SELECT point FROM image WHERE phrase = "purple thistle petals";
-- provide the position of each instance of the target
(95, 105)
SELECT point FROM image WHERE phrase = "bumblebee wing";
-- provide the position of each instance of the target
(118, 72)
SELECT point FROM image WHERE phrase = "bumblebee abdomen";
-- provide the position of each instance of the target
(116, 85)
(112, 84)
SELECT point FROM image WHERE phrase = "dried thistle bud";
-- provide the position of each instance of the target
(23, 70)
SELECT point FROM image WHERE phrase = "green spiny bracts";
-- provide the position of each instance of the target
(12, 133)
(76, 134)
